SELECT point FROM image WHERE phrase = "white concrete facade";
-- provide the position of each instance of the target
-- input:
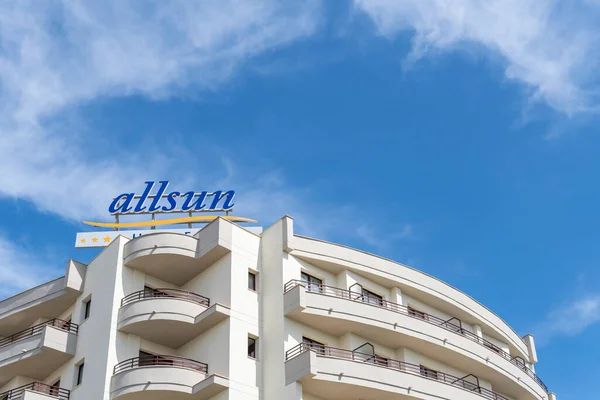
(169, 316)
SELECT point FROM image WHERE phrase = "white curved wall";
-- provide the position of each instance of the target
(337, 379)
(176, 310)
(336, 316)
(317, 251)
(160, 243)
(153, 379)
(169, 322)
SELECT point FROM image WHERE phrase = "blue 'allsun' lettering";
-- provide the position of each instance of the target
(191, 201)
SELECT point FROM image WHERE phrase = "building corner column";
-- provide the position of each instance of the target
(478, 331)
(396, 296)
(288, 233)
(530, 343)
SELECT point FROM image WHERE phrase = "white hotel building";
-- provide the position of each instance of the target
(231, 314)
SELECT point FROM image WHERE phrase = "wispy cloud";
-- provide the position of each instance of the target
(550, 46)
(571, 318)
(58, 56)
(20, 269)
(374, 236)
(55, 56)
(575, 317)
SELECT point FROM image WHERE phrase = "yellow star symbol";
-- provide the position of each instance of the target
(94, 240)
(107, 239)
(82, 240)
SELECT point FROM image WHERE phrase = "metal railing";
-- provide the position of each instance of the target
(160, 361)
(38, 387)
(333, 352)
(453, 324)
(37, 329)
(165, 293)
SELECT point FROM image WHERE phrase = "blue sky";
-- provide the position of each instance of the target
(456, 137)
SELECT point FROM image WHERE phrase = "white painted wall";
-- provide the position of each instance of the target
(214, 282)
(272, 278)
(97, 332)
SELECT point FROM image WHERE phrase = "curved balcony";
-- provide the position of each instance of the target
(336, 258)
(165, 293)
(162, 376)
(38, 329)
(160, 361)
(37, 351)
(186, 256)
(170, 317)
(48, 300)
(335, 373)
(36, 391)
(334, 309)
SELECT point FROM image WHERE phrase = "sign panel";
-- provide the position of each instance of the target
(104, 238)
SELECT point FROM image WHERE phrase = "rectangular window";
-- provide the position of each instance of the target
(251, 281)
(428, 372)
(251, 347)
(313, 345)
(416, 313)
(372, 298)
(79, 374)
(87, 306)
(379, 360)
(312, 284)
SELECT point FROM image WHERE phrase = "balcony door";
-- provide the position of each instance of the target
(372, 298)
(55, 388)
(318, 347)
(312, 284)
(148, 359)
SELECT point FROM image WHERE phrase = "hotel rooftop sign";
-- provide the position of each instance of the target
(161, 202)
(176, 201)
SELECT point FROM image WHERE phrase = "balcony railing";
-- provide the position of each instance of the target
(455, 326)
(165, 293)
(332, 352)
(37, 329)
(160, 361)
(38, 387)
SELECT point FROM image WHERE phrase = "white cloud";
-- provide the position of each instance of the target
(577, 316)
(570, 319)
(379, 239)
(550, 46)
(20, 269)
(58, 55)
